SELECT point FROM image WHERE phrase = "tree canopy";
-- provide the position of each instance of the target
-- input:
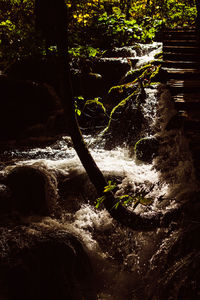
(94, 25)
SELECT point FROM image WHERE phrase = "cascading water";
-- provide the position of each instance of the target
(121, 258)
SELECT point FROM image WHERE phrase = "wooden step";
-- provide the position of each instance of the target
(175, 90)
(181, 64)
(184, 83)
(191, 125)
(191, 122)
(180, 30)
(182, 102)
(178, 36)
(182, 73)
(186, 42)
(181, 49)
(181, 56)
(193, 97)
(183, 86)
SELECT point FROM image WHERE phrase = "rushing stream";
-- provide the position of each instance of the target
(121, 258)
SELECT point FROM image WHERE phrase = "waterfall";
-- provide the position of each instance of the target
(121, 258)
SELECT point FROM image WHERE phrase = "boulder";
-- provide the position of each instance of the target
(24, 104)
(146, 149)
(126, 51)
(111, 69)
(93, 117)
(87, 84)
(34, 191)
(43, 264)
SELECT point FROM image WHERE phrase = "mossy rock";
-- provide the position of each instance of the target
(146, 149)
(87, 84)
(158, 55)
(111, 69)
(159, 75)
(93, 117)
(132, 75)
(125, 124)
(117, 93)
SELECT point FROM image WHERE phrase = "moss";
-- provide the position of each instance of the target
(146, 149)
(157, 62)
(97, 102)
(122, 103)
(133, 75)
(158, 55)
(121, 88)
(93, 117)
(155, 75)
(159, 75)
(118, 93)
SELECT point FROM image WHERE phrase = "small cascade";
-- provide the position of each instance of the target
(123, 261)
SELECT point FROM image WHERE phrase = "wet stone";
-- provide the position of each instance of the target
(146, 149)
(125, 125)
(43, 264)
(33, 191)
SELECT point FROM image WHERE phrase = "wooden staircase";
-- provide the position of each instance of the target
(181, 60)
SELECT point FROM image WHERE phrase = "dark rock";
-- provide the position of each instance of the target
(71, 197)
(176, 122)
(24, 104)
(176, 268)
(88, 85)
(93, 117)
(134, 74)
(34, 190)
(146, 149)
(44, 264)
(159, 76)
(111, 69)
(40, 70)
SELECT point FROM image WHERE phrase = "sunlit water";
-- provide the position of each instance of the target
(121, 256)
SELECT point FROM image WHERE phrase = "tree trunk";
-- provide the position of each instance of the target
(121, 214)
(53, 27)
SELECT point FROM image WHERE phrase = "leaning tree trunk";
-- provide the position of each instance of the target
(121, 214)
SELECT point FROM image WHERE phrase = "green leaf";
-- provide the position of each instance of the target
(145, 201)
(110, 187)
(99, 201)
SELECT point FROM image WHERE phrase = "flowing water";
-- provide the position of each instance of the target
(121, 257)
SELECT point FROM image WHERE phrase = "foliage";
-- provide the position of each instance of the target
(117, 31)
(92, 24)
(105, 23)
(125, 200)
(17, 33)
(77, 109)
(84, 51)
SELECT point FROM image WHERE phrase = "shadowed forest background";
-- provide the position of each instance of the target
(107, 80)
